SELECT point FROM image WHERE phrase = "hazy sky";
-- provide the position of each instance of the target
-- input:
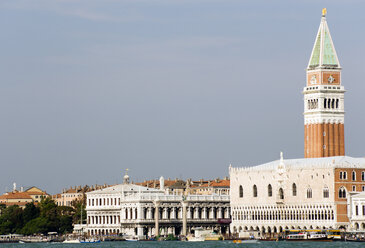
(167, 87)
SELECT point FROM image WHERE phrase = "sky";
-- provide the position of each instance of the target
(172, 88)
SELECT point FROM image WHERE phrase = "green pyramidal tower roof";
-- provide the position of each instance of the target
(323, 53)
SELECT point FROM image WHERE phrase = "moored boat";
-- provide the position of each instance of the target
(72, 241)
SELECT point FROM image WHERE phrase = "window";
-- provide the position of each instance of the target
(363, 209)
(341, 175)
(363, 188)
(326, 193)
(241, 191)
(345, 175)
(363, 176)
(353, 176)
(294, 189)
(269, 190)
(255, 191)
(356, 210)
(309, 193)
(342, 193)
(281, 194)
(353, 188)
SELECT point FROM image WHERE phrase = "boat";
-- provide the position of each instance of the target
(90, 241)
(245, 241)
(72, 241)
(201, 234)
(195, 239)
(131, 239)
(308, 237)
(35, 239)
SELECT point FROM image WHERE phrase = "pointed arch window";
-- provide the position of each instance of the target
(241, 191)
(342, 193)
(269, 190)
(294, 189)
(254, 190)
(309, 193)
(326, 193)
(281, 194)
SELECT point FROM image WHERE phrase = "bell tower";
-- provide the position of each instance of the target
(324, 99)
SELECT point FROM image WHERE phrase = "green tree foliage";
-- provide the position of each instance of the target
(37, 225)
(65, 224)
(42, 218)
(11, 220)
(79, 212)
(30, 212)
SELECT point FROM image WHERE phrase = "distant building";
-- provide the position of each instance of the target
(36, 193)
(137, 210)
(199, 187)
(217, 187)
(21, 198)
(76, 193)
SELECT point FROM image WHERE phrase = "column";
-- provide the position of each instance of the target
(196, 213)
(157, 213)
(173, 213)
(211, 215)
(133, 213)
(140, 231)
(330, 139)
(336, 140)
(342, 139)
(140, 211)
(204, 213)
(325, 138)
(164, 213)
(321, 140)
(188, 213)
(184, 218)
(220, 212)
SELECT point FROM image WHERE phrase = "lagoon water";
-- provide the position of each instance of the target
(178, 244)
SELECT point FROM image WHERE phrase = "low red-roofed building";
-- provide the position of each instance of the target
(217, 186)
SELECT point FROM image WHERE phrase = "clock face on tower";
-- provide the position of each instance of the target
(331, 79)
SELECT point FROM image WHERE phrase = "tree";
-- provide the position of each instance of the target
(11, 221)
(30, 212)
(37, 225)
(49, 211)
(65, 224)
(79, 206)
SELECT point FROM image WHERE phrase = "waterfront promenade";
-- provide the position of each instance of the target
(207, 244)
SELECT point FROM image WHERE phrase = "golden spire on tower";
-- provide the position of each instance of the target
(324, 12)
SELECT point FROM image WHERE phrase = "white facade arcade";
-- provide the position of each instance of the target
(139, 211)
(293, 194)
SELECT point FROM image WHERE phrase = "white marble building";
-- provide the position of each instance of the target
(356, 210)
(139, 211)
(294, 194)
